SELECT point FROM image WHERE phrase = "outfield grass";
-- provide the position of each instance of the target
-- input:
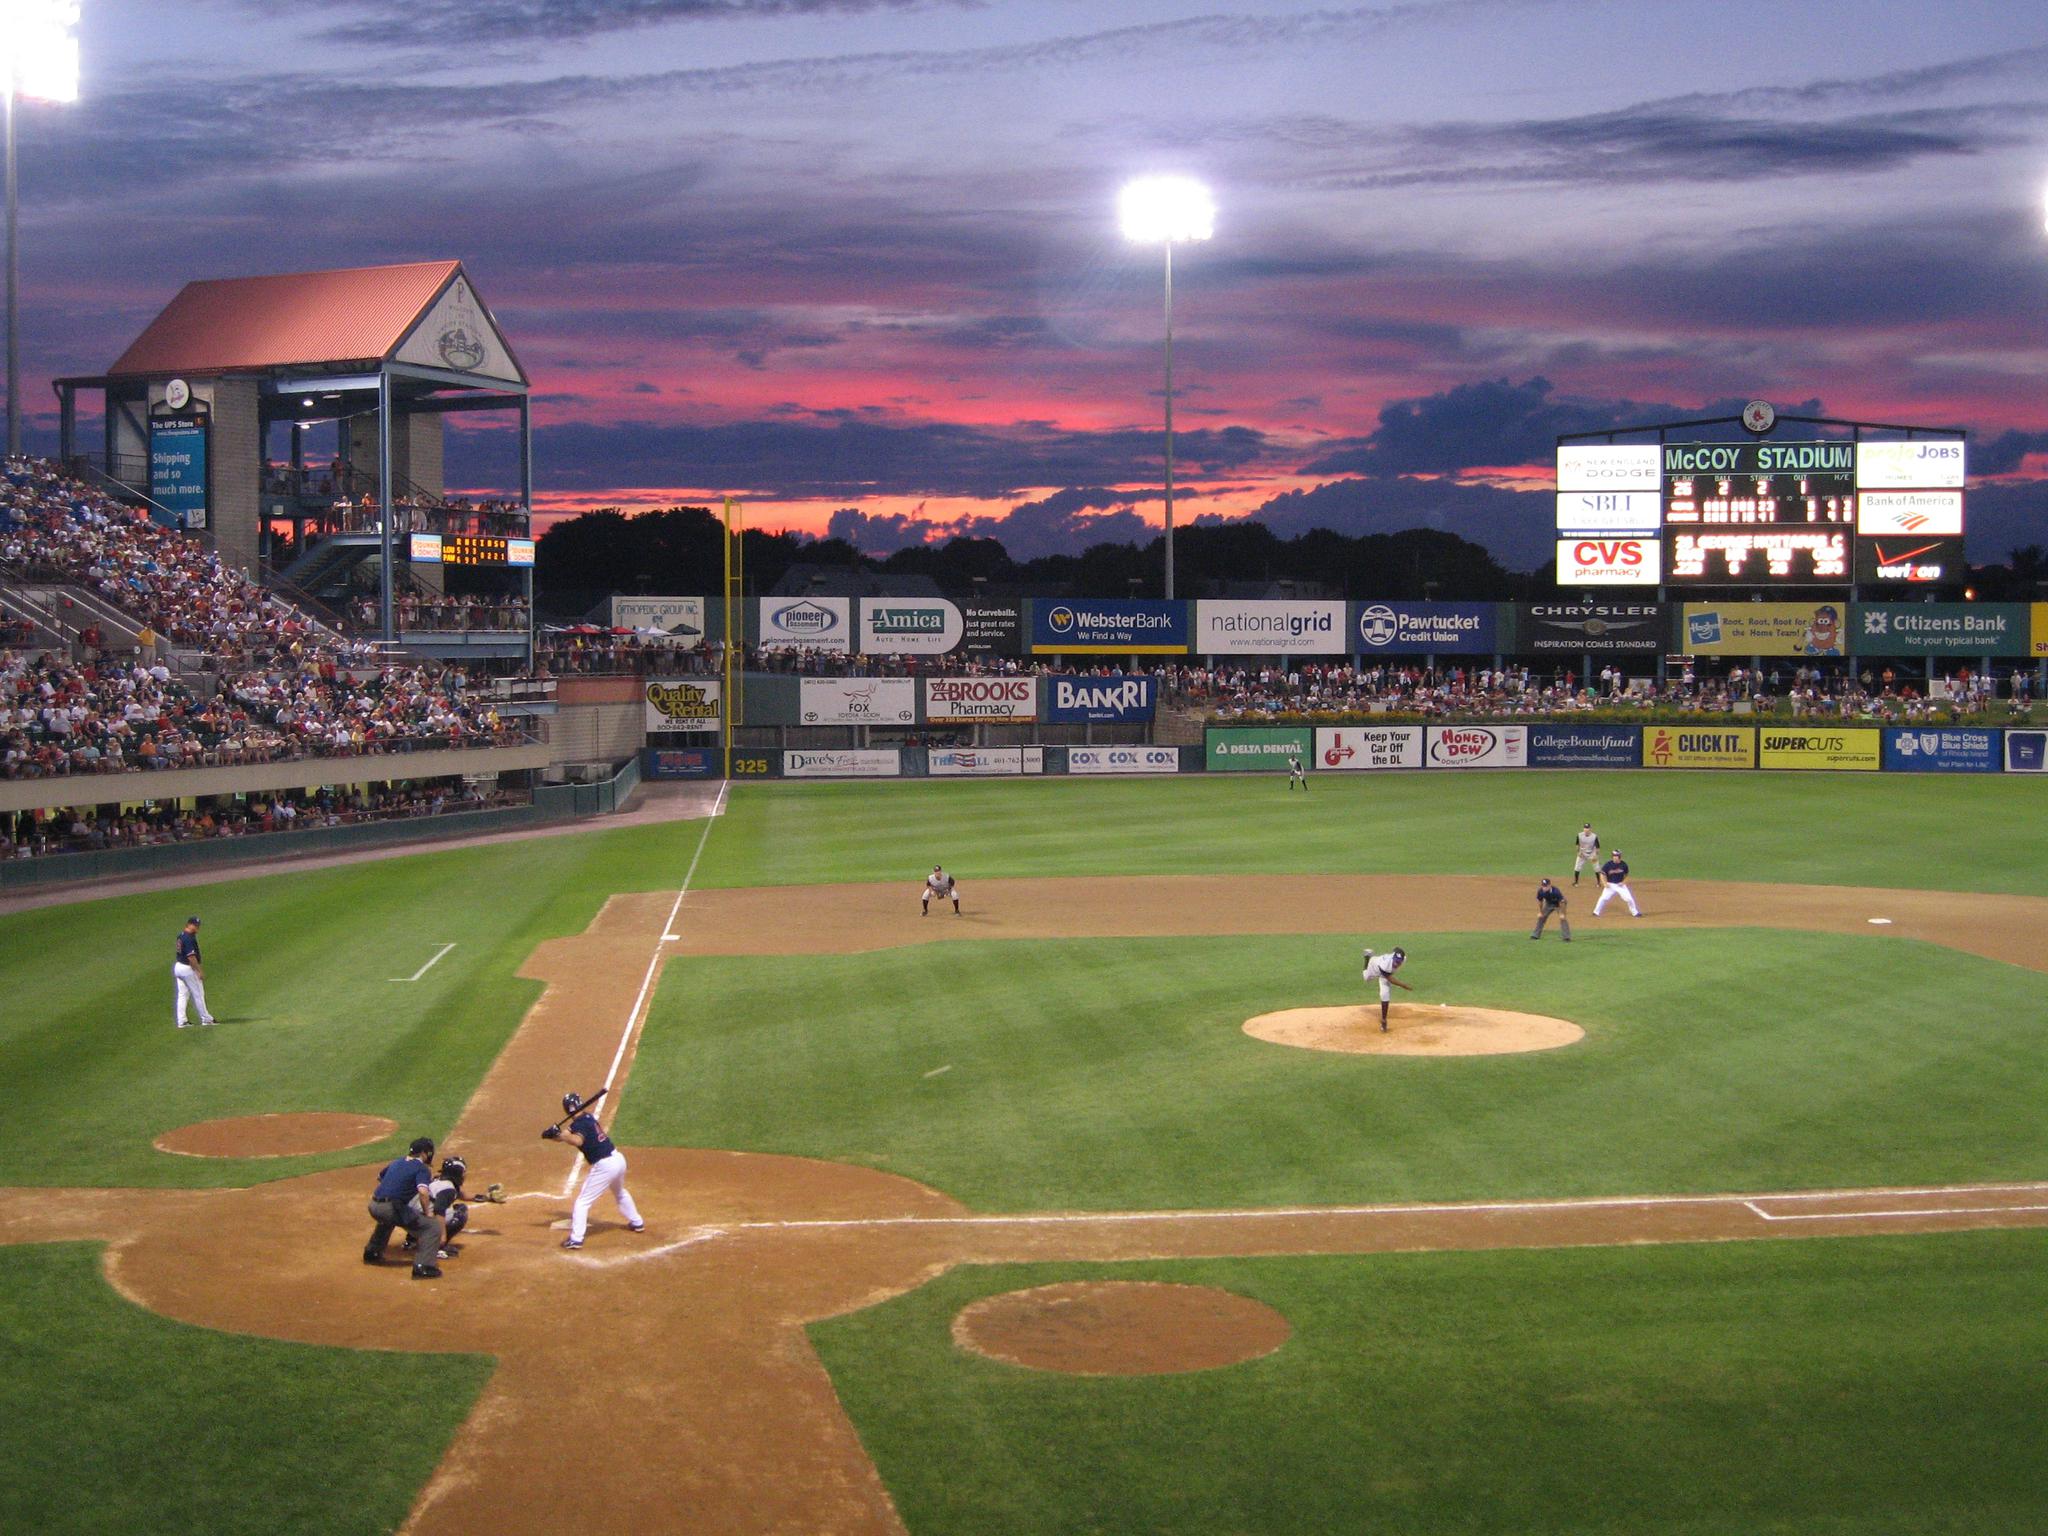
(1944, 832)
(297, 971)
(1113, 1073)
(1823, 1388)
(113, 1419)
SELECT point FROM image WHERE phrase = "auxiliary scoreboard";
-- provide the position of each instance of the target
(469, 549)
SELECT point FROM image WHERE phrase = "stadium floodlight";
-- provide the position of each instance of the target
(1158, 210)
(39, 60)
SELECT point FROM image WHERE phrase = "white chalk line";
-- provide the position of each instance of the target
(633, 1017)
(416, 975)
(1904, 1212)
(935, 1071)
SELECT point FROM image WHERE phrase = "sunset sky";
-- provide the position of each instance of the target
(857, 261)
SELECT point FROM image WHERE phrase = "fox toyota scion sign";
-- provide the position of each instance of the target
(956, 700)
(1114, 698)
(681, 704)
(1131, 626)
(1272, 628)
(681, 619)
(1464, 629)
(818, 623)
(1609, 512)
(1123, 760)
(1596, 560)
(1610, 467)
(1348, 748)
(1477, 746)
(1924, 464)
(1548, 628)
(858, 700)
(909, 626)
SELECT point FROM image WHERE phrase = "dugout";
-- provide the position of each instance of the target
(210, 410)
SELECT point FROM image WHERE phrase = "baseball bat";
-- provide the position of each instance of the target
(585, 1105)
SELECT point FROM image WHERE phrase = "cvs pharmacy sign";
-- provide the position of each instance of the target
(1609, 562)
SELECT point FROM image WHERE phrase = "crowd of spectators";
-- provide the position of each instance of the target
(352, 504)
(444, 613)
(83, 829)
(281, 686)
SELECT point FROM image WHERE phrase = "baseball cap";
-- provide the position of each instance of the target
(192, 922)
(422, 1146)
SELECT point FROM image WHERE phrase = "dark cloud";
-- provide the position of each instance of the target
(2003, 454)
(409, 23)
(1516, 527)
(2003, 518)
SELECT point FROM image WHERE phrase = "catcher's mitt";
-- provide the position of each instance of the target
(494, 1195)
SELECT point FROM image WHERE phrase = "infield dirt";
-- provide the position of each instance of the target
(687, 1342)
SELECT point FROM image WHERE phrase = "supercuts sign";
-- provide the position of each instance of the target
(1548, 628)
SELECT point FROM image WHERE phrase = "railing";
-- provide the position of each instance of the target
(402, 746)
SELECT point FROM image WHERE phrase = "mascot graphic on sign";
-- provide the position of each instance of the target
(1824, 633)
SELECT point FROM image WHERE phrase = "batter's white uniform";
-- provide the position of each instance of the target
(191, 992)
(1616, 887)
(608, 1171)
(1378, 969)
(1589, 852)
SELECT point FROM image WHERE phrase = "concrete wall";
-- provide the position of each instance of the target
(234, 473)
(590, 733)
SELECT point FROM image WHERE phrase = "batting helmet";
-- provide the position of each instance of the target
(422, 1146)
(571, 1102)
(454, 1170)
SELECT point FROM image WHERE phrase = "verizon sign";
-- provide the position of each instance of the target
(1609, 562)
(1909, 514)
(954, 700)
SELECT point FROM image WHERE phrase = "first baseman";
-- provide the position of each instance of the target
(188, 976)
(607, 1169)
(1381, 968)
(1587, 852)
(942, 885)
(1614, 875)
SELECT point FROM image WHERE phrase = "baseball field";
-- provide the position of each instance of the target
(1732, 1218)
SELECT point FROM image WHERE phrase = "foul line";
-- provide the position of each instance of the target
(1924, 1210)
(647, 981)
(416, 975)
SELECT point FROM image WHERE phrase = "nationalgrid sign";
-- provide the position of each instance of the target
(1269, 628)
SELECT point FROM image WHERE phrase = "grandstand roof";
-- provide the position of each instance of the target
(300, 319)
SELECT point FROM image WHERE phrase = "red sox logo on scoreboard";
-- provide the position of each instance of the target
(1608, 562)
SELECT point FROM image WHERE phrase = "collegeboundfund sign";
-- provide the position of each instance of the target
(1477, 746)
(1453, 629)
(858, 700)
(1132, 626)
(957, 700)
(1071, 700)
(1269, 629)
(1585, 746)
(1350, 748)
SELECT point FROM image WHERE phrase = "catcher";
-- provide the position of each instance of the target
(445, 1196)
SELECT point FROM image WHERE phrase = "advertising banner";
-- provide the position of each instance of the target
(1604, 561)
(952, 762)
(1585, 746)
(1253, 749)
(992, 627)
(1939, 629)
(955, 700)
(815, 623)
(423, 548)
(1907, 514)
(1477, 746)
(1547, 629)
(1920, 464)
(681, 703)
(1610, 467)
(1933, 750)
(1117, 698)
(688, 763)
(681, 619)
(1609, 512)
(2026, 751)
(1123, 760)
(909, 626)
(1451, 629)
(1819, 746)
(845, 763)
(1131, 626)
(1921, 559)
(177, 466)
(858, 700)
(1686, 746)
(1723, 557)
(1270, 628)
(1762, 629)
(2040, 629)
(1350, 748)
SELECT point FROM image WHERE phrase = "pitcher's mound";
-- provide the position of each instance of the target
(1414, 1029)
(292, 1135)
(1120, 1328)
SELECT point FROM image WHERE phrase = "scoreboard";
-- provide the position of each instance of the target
(469, 549)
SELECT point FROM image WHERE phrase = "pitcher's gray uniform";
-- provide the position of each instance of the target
(1588, 851)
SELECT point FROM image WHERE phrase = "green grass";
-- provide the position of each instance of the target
(113, 1419)
(1962, 832)
(1821, 1388)
(1114, 1073)
(298, 967)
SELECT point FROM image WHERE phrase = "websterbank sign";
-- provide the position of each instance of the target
(1270, 628)
(1127, 626)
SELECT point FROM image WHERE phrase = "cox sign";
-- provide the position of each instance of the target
(1597, 562)
(1123, 760)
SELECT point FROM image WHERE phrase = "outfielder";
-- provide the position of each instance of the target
(607, 1169)
(188, 976)
(1614, 875)
(1588, 851)
(942, 885)
(1296, 774)
(1550, 903)
(1381, 968)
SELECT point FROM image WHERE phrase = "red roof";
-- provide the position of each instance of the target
(302, 318)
